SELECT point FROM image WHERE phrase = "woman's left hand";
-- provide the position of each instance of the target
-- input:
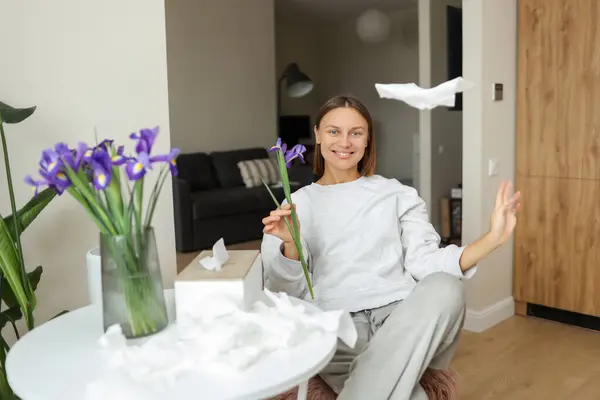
(502, 225)
(504, 219)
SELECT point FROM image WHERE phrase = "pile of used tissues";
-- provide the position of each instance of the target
(224, 340)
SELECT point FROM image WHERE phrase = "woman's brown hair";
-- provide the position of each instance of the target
(366, 166)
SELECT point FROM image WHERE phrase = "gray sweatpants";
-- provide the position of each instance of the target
(398, 342)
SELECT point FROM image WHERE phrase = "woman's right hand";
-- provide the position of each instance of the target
(275, 225)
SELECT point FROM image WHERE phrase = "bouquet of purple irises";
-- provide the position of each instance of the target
(93, 177)
(285, 158)
(114, 198)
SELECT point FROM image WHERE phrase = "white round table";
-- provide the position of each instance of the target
(56, 360)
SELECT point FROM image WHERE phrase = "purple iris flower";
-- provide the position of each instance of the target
(100, 177)
(60, 182)
(56, 180)
(101, 165)
(136, 169)
(73, 158)
(106, 144)
(80, 154)
(168, 158)
(102, 148)
(87, 155)
(102, 157)
(50, 163)
(37, 185)
(64, 153)
(296, 152)
(279, 146)
(51, 169)
(145, 138)
(119, 158)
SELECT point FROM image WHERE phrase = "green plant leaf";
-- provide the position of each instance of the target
(8, 295)
(162, 176)
(9, 315)
(81, 190)
(63, 312)
(114, 200)
(6, 392)
(12, 115)
(11, 267)
(30, 211)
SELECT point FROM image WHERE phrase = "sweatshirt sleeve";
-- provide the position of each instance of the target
(420, 243)
(282, 274)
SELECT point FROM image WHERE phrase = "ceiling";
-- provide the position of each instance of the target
(331, 9)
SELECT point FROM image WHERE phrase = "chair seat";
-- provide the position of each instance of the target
(439, 385)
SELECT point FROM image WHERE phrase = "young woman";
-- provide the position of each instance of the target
(372, 251)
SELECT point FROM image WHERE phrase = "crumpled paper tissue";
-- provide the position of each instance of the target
(226, 340)
(219, 257)
(415, 96)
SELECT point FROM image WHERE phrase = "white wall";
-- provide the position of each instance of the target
(489, 56)
(85, 65)
(221, 73)
(338, 62)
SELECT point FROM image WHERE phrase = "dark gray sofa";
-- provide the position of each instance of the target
(211, 201)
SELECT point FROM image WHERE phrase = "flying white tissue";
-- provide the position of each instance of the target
(219, 257)
(226, 342)
(443, 94)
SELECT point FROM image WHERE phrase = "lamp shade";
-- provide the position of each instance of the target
(297, 83)
(373, 26)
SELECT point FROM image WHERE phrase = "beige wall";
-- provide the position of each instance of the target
(489, 43)
(85, 65)
(221, 73)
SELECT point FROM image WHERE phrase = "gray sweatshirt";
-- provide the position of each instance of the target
(367, 243)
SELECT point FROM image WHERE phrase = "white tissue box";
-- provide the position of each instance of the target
(239, 280)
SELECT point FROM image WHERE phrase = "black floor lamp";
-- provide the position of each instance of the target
(297, 84)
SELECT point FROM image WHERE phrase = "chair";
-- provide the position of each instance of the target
(439, 385)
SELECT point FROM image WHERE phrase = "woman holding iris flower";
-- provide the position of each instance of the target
(371, 250)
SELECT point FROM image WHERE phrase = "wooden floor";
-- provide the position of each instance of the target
(527, 358)
(521, 358)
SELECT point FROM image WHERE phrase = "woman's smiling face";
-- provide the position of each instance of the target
(343, 136)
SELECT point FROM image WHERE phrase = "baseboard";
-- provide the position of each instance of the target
(481, 320)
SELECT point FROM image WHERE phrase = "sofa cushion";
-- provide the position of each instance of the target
(226, 164)
(253, 170)
(197, 170)
(228, 201)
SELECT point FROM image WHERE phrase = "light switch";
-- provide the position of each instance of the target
(493, 167)
(498, 91)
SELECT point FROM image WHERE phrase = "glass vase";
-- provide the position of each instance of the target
(132, 289)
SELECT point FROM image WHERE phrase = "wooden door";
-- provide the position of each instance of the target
(557, 240)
